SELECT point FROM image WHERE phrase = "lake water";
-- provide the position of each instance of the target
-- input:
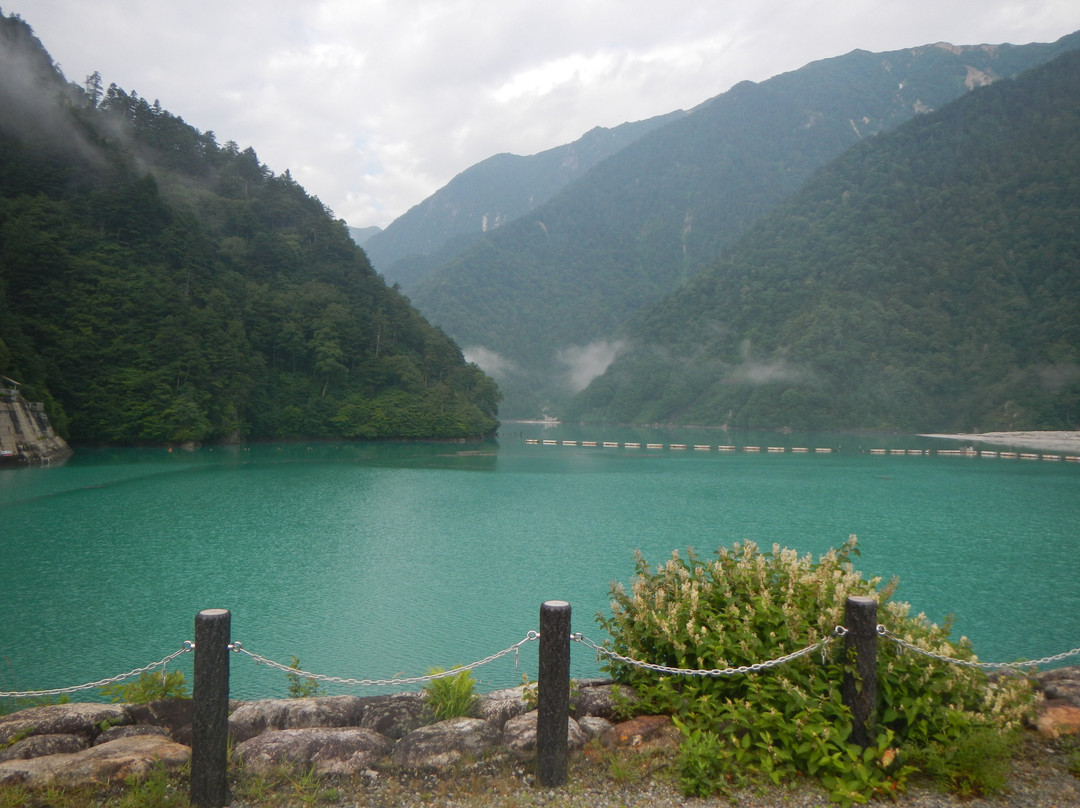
(368, 561)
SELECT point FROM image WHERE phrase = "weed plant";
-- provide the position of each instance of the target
(450, 696)
(302, 687)
(748, 606)
(150, 686)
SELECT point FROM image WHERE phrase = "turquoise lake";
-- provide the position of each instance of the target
(376, 560)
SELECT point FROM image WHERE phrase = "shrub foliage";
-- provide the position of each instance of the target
(748, 606)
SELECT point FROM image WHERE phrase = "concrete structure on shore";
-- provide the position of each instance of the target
(26, 436)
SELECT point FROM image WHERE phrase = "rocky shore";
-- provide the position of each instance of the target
(387, 750)
(74, 744)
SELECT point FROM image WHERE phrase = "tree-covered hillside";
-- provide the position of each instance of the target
(543, 296)
(929, 279)
(488, 195)
(157, 286)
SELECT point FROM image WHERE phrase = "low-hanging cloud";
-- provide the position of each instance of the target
(491, 362)
(584, 363)
(374, 106)
(776, 368)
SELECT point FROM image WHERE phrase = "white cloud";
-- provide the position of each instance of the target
(374, 105)
(584, 363)
(491, 362)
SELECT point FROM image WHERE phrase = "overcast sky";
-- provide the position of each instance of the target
(375, 104)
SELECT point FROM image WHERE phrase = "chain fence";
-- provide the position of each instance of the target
(1032, 663)
(514, 649)
(186, 648)
(237, 647)
(601, 652)
(821, 644)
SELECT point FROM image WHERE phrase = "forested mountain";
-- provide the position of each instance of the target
(538, 301)
(361, 234)
(929, 279)
(156, 286)
(487, 195)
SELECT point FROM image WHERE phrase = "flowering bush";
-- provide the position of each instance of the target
(748, 606)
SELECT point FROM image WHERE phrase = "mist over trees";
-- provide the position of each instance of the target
(157, 286)
(928, 279)
(554, 286)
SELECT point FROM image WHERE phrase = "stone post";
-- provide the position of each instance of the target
(859, 690)
(553, 693)
(210, 720)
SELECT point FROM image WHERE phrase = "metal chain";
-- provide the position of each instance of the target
(187, 648)
(839, 631)
(884, 632)
(532, 636)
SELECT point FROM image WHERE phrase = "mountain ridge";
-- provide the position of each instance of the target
(487, 195)
(531, 299)
(927, 279)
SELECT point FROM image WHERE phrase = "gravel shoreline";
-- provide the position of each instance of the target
(1040, 778)
(1059, 441)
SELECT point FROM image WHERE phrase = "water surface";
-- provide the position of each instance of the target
(368, 561)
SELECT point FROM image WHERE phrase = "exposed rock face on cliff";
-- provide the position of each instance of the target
(26, 436)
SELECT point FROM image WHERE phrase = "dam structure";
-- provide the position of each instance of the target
(26, 436)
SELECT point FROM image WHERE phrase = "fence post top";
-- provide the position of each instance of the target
(862, 599)
(556, 604)
(213, 612)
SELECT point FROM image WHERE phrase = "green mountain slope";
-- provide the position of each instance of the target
(487, 195)
(539, 300)
(156, 286)
(929, 279)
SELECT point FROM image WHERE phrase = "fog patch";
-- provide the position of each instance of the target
(778, 370)
(33, 96)
(770, 371)
(1055, 378)
(584, 363)
(492, 363)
